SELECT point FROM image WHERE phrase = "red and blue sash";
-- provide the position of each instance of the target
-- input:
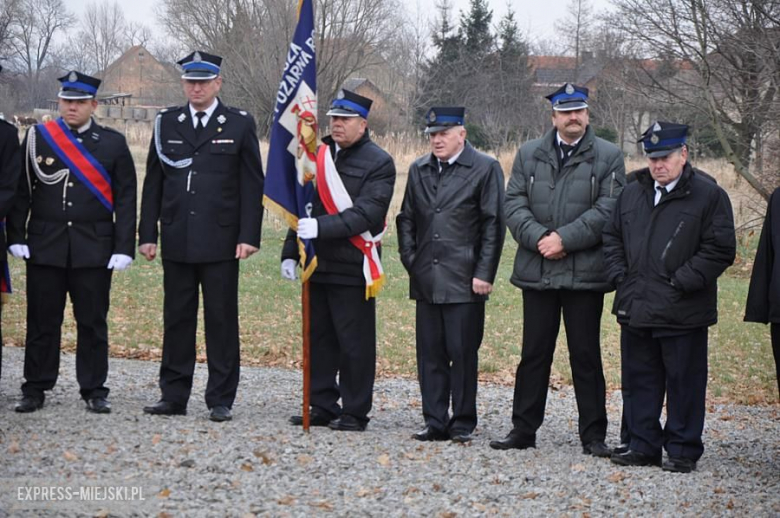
(79, 160)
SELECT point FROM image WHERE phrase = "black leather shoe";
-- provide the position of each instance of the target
(220, 414)
(461, 437)
(430, 434)
(635, 458)
(597, 449)
(315, 419)
(28, 404)
(166, 408)
(679, 465)
(512, 442)
(347, 423)
(621, 448)
(98, 405)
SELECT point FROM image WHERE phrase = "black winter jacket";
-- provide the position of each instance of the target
(665, 259)
(368, 173)
(451, 226)
(763, 301)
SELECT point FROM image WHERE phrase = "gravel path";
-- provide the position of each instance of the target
(259, 465)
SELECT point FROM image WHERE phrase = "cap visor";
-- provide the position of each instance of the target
(660, 153)
(437, 129)
(569, 107)
(340, 112)
(74, 95)
(195, 75)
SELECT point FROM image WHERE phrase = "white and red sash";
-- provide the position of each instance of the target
(335, 199)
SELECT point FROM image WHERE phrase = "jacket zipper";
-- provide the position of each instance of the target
(671, 240)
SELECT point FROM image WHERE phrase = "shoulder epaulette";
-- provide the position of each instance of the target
(171, 109)
(237, 110)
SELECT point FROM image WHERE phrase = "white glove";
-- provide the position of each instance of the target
(19, 251)
(288, 269)
(307, 228)
(119, 262)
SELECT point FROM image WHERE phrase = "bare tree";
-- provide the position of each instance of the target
(719, 58)
(101, 33)
(9, 10)
(253, 37)
(137, 33)
(34, 30)
(575, 28)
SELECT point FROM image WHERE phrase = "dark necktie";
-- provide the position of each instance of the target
(663, 192)
(565, 149)
(199, 124)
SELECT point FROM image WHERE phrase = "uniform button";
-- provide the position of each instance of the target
(197, 153)
(70, 223)
(192, 213)
(70, 184)
(192, 192)
(70, 204)
(194, 173)
(435, 261)
(438, 209)
(436, 236)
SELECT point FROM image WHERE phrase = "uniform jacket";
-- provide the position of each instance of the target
(68, 226)
(10, 169)
(207, 209)
(368, 173)
(665, 259)
(575, 201)
(763, 301)
(451, 226)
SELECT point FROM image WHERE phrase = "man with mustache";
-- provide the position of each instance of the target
(561, 193)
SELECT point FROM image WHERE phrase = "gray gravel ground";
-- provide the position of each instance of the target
(259, 465)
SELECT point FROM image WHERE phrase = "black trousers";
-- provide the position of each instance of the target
(448, 340)
(775, 333)
(182, 282)
(674, 366)
(343, 342)
(625, 389)
(541, 323)
(47, 287)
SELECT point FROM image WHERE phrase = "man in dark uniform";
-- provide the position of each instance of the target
(9, 180)
(79, 191)
(669, 239)
(343, 315)
(763, 301)
(562, 190)
(450, 236)
(204, 184)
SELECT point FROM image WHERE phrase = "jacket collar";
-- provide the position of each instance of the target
(547, 150)
(466, 157)
(328, 140)
(644, 177)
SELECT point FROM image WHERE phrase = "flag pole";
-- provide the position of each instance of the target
(305, 307)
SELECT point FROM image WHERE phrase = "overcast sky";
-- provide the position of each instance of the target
(536, 18)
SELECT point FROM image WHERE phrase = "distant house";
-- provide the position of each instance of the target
(140, 75)
(384, 113)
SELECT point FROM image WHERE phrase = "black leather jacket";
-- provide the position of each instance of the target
(451, 226)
